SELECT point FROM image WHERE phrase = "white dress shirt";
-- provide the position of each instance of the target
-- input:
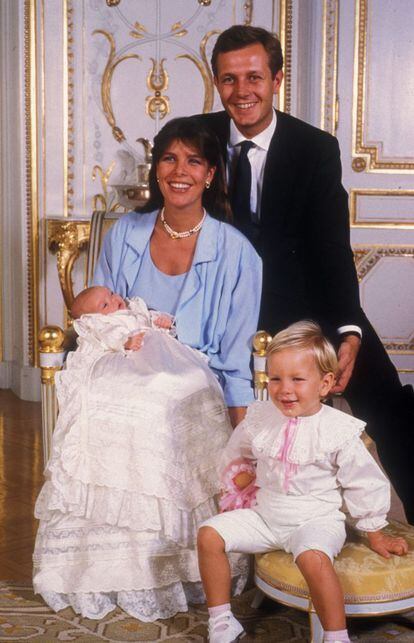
(257, 156)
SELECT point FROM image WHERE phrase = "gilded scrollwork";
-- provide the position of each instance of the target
(104, 200)
(285, 30)
(248, 12)
(329, 98)
(138, 31)
(157, 81)
(31, 173)
(67, 239)
(112, 63)
(205, 71)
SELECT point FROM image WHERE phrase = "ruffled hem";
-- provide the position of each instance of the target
(144, 605)
(123, 509)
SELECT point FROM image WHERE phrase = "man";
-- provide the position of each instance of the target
(295, 211)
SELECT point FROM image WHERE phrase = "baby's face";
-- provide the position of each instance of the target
(296, 385)
(102, 300)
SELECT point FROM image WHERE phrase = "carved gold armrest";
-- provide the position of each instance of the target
(260, 343)
(66, 239)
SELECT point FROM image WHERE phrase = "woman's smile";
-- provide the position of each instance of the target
(182, 175)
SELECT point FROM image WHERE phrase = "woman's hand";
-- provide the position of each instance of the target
(135, 342)
(386, 545)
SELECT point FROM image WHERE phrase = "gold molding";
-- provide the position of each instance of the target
(366, 257)
(370, 153)
(32, 193)
(329, 79)
(157, 82)
(68, 108)
(285, 31)
(111, 64)
(377, 223)
(248, 12)
(203, 67)
(67, 239)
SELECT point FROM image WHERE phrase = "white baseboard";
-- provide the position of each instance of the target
(5, 375)
(24, 381)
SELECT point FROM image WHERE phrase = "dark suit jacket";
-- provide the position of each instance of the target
(304, 240)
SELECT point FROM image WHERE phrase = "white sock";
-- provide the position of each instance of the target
(219, 609)
(339, 636)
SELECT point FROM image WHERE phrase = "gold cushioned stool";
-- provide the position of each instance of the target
(372, 585)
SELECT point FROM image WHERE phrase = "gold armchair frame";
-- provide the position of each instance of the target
(54, 342)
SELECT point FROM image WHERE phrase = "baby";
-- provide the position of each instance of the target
(307, 456)
(100, 300)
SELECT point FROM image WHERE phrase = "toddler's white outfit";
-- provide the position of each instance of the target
(306, 467)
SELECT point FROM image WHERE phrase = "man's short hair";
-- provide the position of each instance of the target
(240, 36)
(306, 335)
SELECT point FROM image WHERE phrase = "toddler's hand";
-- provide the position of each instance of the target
(387, 545)
(134, 343)
(163, 321)
(243, 479)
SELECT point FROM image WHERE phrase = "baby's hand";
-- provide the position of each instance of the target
(163, 321)
(135, 342)
(243, 479)
(387, 545)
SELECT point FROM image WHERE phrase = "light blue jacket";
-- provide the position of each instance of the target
(218, 307)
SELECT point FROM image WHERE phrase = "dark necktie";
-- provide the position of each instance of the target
(242, 186)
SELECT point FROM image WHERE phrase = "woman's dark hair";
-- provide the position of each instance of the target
(240, 36)
(191, 131)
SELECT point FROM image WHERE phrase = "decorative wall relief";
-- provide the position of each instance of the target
(204, 68)
(157, 81)
(100, 75)
(113, 61)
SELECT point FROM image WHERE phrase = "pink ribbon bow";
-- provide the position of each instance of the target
(290, 468)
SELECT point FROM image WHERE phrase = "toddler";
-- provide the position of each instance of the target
(308, 458)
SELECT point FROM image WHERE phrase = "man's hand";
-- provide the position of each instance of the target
(387, 545)
(134, 343)
(347, 354)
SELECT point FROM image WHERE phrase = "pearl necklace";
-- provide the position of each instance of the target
(186, 233)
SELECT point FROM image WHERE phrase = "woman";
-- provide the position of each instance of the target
(103, 541)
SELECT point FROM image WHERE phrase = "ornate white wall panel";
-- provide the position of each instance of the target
(110, 73)
(101, 73)
(384, 86)
(376, 61)
(382, 208)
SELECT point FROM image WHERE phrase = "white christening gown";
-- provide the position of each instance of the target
(132, 473)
